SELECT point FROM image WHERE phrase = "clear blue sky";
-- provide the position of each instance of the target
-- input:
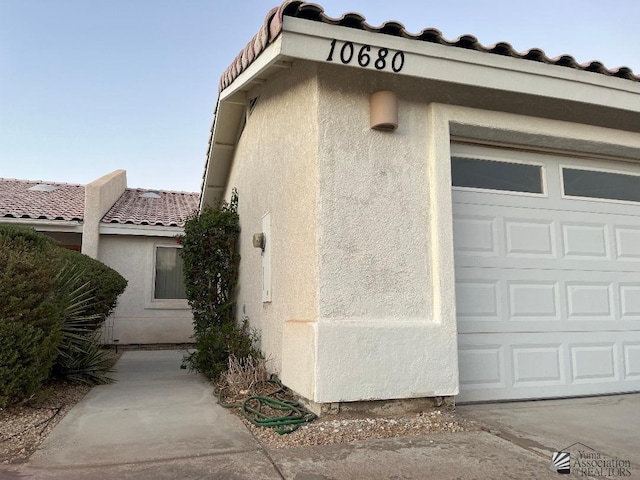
(89, 86)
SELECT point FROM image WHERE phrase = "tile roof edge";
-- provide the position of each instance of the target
(132, 225)
(47, 182)
(134, 189)
(9, 218)
(273, 24)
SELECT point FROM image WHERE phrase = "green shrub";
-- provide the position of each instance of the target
(52, 302)
(106, 283)
(31, 313)
(211, 275)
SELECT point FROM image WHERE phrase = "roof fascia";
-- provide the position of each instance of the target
(139, 230)
(66, 226)
(229, 120)
(312, 41)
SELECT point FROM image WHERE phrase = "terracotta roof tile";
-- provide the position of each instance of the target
(66, 202)
(272, 27)
(169, 209)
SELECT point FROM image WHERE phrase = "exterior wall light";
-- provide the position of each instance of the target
(384, 111)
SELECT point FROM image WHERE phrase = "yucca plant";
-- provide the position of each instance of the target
(81, 358)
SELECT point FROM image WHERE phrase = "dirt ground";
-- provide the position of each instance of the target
(25, 425)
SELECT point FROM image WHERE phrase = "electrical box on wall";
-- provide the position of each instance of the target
(259, 240)
(266, 257)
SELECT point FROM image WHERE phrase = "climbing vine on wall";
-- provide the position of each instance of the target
(211, 261)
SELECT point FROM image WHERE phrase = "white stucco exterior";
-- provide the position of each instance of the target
(281, 177)
(363, 287)
(349, 291)
(138, 318)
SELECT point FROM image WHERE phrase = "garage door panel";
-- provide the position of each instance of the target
(530, 238)
(590, 300)
(630, 301)
(480, 198)
(478, 300)
(538, 365)
(547, 286)
(627, 243)
(594, 363)
(585, 241)
(524, 236)
(631, 353)
(570, 263)
(533, 300)
(476, 235)
(482, 366)
(493, 300)
(552, 201)
(550, 364)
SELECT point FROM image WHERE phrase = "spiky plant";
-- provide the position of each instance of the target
(81, 358)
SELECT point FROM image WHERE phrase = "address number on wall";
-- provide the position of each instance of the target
(380, 58)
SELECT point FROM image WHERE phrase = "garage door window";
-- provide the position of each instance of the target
(601, 185)
(494, 175)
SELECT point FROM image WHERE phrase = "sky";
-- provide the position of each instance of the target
(91, 86)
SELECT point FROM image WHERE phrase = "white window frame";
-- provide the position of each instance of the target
(162, 303)
(511, 156)
(582, 166)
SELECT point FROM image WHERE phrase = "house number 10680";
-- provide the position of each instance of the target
(380, 57)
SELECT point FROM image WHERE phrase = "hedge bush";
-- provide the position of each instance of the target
(52, 303)
(31, 313)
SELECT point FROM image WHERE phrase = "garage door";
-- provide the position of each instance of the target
(547, 258)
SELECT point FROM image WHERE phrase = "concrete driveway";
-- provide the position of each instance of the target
(593, 430)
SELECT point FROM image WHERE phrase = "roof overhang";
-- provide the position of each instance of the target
(229, 120)
(139, 230)
(66, 226)
(302, 39)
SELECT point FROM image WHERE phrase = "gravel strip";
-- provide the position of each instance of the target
(343, 428)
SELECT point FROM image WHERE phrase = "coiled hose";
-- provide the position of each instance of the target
(270, 411)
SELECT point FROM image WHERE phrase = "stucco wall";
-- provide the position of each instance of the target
(353, 314)
(99, 197)
(381, 330)
(363, 275)
(137, 318)
(275, 171)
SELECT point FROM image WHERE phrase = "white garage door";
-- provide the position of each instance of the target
(547, 256)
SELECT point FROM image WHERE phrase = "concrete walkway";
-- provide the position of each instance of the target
(155, 421)
(160, 422)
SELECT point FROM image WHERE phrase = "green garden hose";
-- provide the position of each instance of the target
(254, 409)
